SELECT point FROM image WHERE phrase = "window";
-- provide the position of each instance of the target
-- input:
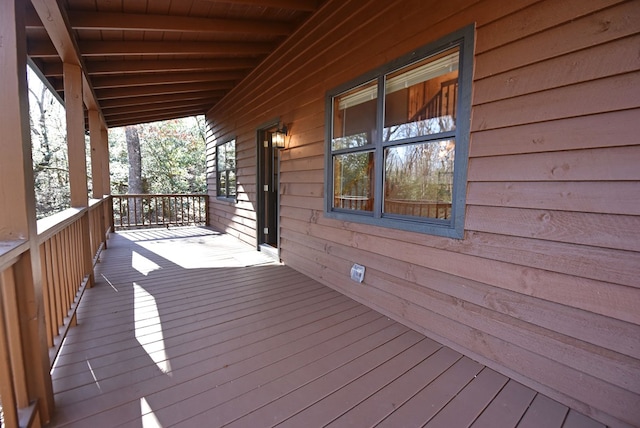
(226, 170)
(397, 141)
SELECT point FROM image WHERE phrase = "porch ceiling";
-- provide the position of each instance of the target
(149, 60)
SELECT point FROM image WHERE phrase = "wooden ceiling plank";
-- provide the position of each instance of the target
(159, 99)
(81, 20)
(134, 120)
(158, 108)
(102, 82)
(113, 48)
(161, 89)
(161, 66)
(42, 49)
(51, 69)
(302, 5)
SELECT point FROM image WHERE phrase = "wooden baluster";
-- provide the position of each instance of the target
(7, 391)
(46, 290)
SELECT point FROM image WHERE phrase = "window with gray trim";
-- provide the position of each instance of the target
(226, 170)
(397, 141)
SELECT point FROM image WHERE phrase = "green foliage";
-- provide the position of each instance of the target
(173, 156)
(173, 153)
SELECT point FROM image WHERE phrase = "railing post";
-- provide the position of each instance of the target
(206, 210)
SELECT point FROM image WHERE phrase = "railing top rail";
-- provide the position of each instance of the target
(10, 250)
(94, 203)
(49, 226)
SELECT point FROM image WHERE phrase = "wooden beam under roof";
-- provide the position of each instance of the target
(57, 27)
(81, 20)
(142, 91)
(105, 82)
(134, 120)
(138, 110)
(42, 49)
(124, 48)
(302, 5)
(160, 99)
(45, 49)
(54, 69)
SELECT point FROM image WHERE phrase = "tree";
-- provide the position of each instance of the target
(48, 139)
(135, 172)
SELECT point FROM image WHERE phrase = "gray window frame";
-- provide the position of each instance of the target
(226, 171)
(454, 226)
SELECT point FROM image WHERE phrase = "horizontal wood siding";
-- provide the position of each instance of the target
(544, 286)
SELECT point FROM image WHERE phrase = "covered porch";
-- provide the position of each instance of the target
(191, 327)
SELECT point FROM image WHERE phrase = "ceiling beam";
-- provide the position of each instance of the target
(160, 99)
(42, 49)
(102, 82)
(57, 26)
(141, 22)
(54, 69)
(168, 115)
(303, 5)
(58, 29)
(138, 110)
(142, 91)
(111, 48)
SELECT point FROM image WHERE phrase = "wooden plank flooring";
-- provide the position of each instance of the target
(192, 328)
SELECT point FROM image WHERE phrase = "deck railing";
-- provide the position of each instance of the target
(17, 407)
(69, 244)
(147, 210)
(430, 209)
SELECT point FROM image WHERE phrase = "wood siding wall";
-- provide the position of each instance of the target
(544, 287)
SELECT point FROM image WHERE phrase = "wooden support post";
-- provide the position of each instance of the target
(106, 179)
(97, 154)
(76, 146)
(75, 135)
(17, 203)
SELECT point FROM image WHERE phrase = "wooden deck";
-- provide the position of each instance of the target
(189, 327)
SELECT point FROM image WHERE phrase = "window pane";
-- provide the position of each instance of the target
(222, 184)
(232, 183)
(230, 154)
(354, 117)
(226, 169)
(421, 99)
(353, 181)
(418, 179)
(221, 158)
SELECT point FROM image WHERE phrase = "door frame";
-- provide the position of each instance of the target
(260, 218)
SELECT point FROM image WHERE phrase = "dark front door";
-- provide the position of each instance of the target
(268, 190)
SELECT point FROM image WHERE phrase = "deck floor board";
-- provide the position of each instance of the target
(190, 327)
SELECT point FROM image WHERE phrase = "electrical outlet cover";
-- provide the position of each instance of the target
(357, 273)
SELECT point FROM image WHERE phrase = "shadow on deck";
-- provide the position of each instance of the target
(189, 327)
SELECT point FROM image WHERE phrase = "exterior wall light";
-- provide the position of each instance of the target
(277, 137)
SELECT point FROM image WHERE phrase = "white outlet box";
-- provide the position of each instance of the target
(357, 273)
